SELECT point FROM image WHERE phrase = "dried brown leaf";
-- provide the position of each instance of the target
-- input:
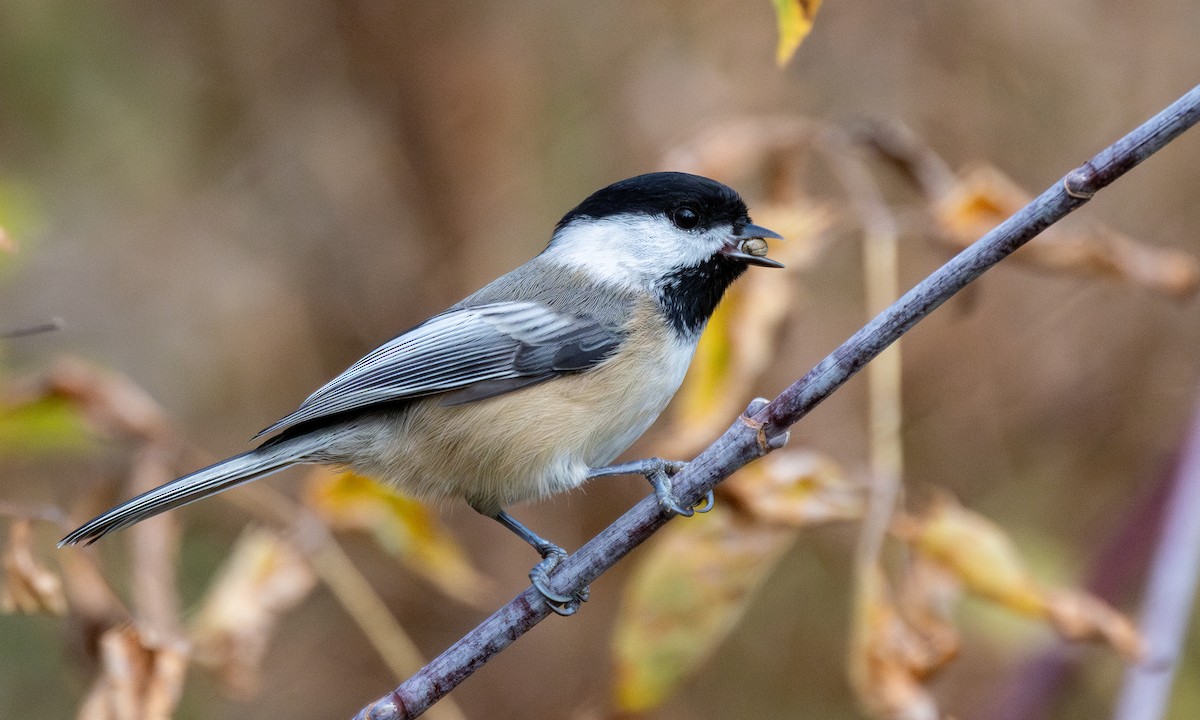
(983, 197)
(795, 488)
(1078, 616)
(29, 587)
(154, 545)
(891, 658)
(897, 144)
(89, 596)
(263, 577)
(927, 598)
(138, 680)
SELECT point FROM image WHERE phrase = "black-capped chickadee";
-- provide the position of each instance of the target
(531, 385)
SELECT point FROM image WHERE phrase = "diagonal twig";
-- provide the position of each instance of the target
(765, 427)
(1170, 592)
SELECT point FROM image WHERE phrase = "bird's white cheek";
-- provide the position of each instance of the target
(609, 250)
(630, 251)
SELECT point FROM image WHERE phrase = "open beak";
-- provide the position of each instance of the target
(749, 231)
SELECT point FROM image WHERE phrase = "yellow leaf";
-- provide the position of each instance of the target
(108, 403)
(263, 577)
(685, 596)
(401, 525)
(795, 488)
(795, 21)
(48, 424)
(983, 558)
(977, 551)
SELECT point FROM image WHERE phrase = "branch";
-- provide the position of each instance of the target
(764, 427)
(1170, 592)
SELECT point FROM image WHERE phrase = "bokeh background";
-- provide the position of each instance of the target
(229, 202)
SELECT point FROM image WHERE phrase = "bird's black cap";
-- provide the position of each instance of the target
(660, 193)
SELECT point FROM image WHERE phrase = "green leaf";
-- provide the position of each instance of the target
(47, 425)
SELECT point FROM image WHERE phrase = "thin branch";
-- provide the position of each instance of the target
(765, 427)
(881, 277)
(1170, 592)
(154, 549)
(908, 153)
(1033, 690)
(371, 613)
(45, 513)
(51, 325)
(345, 581)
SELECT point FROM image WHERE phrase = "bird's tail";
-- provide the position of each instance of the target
(213, 479)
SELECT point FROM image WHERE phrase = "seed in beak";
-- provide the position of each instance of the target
(754, 246)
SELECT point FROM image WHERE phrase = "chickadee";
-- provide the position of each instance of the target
(533, 384)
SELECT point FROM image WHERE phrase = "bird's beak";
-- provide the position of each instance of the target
(737, 249)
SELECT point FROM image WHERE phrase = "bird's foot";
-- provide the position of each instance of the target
(659, 472)
(664, 491)
(561, 604)
(551, 554)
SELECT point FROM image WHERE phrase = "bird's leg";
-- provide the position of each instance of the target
(659, 473)
(540, 574)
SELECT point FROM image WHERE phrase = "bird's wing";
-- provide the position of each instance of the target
(477, 352)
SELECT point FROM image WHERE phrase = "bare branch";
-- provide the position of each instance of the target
(50, 325)
(1170, 592)
(44, 513)
(764, 427)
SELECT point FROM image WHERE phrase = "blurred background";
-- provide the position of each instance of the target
(229, 202)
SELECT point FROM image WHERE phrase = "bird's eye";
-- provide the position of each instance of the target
(685, 217)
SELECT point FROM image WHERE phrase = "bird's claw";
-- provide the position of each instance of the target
(559, 603)
(665, 494)
(667, 501)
